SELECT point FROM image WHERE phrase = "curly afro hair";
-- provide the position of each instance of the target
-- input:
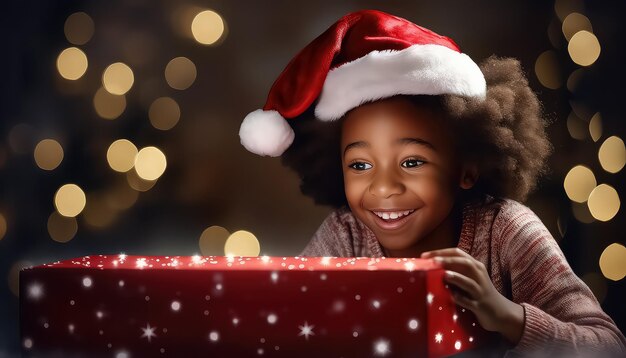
(504, 135)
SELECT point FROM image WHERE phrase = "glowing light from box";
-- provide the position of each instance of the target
(578, 183)
(78, 28)
(613, 262)
(48, 154)
(574, 23)
(62, 228)
(212, 240)
(72, 63)
(107, 105)
(547, 70)
(604, 202)
(150, 163)
(242, 243)
(612, 154)
(207, 27)
(121, 155)
(118, 78)
(180, 73)
(584, 48)
(164, 113)
(70, 200)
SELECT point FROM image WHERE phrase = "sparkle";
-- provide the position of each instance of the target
(214, 336)
(148, 332)
(413, 324)
(121, 283)
(471, 339)
(141, 263)
(376, 304)
(122, 355)
(260, 351)
(438, 337)
(265, 259)
(99, 314)
(457, 345)
(429, 298)
(325, 261)
(121, 257)
(323, 277)
(28, 343)
(175, 306)
(70, 328)
(381, 347)
(272, 318)
(196, 259)
(409, 266)
(235, 321)
(306, 330)
(274, 277)
(35, 291)
(87, 282)
(455, 317)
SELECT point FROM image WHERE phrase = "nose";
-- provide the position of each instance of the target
(386, 183)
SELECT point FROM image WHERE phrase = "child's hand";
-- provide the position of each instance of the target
(472, 289)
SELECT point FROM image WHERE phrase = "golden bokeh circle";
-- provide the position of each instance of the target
(164, 113)
(121, 155)
(604, 202)
(180, 73)
(578, 183)
(207, 27)
(62, 228)
(212, 241)
(70, 200)
(107, 105)
(584, 48)
(118, 78)
(575, 22)
(79, 28)
(48, 154)
(595, 127)
(137, 183)
(242, 243)
(72, 63)
(612, 154)
(150, 163)
(613, 262)
(547, 70)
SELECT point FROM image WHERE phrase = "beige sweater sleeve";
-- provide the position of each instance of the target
(331, 239)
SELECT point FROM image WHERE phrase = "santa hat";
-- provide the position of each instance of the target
(365, 56)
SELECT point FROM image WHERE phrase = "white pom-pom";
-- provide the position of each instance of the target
(266, 133)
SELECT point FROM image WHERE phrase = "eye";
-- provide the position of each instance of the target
(360, 166)
(412, 163)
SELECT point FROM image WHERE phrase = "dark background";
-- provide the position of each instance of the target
(210, 178)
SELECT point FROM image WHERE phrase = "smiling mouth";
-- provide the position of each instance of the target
(391, 219)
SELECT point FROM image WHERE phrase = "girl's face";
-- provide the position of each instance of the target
(401, 174)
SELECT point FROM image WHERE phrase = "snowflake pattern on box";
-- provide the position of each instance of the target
(130, 306)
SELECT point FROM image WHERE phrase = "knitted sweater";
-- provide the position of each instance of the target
(525, 264)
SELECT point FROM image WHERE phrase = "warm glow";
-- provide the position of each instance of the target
(62, 228)
(595, 127)
(574, 23)
(548, 71)
(3, 226)
(581, 212)
(122, 197)
(72, 63)
(150, 163)
(612, 154)
(242, 243)
(180, 73)
(48, 154)
(562, 8)
(107, 105)
(207, 27)
(138, 183)
(577, 128)
(212, 241)
(578, 183)
(584, 48)
(79, 28)
(613, 262)
(574, 79)
(98, 213)
(118, 78)
(70, 200)
(121, 155)
(604, 202)
(164, 113)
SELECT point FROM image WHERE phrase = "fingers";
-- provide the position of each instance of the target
(451, 251)
(464, 265)
(464, 301)
(465, 283)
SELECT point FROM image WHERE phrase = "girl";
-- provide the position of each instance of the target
(426, 154)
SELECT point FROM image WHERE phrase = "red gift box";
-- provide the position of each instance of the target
(131, 306)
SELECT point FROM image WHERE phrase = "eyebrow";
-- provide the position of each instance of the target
(400, 141)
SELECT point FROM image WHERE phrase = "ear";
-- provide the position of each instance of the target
(469, 175)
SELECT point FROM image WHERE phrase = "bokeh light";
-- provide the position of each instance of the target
(577, 128)
(212, 241)
(548, 71)
(150, 163)
(604, 202)
(14, 276)
(122, 197)
(72, 63)
(242, 243)
(164, 113)
(207, 27)
(3, 226)
(613, 262)
(70, 200)
(562, 8)
(584, 48)
(581, 213)
(137, 183)
(180, 73)
(612, 154)
(62, 228)
(121, 155)
(107, 105)
(574, 23)
(578, 183)
(48, 154)
(79, 28)
(118, 78)
(574, 79)
(98, 213)
(595, 127)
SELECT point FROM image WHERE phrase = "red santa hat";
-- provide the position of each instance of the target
(366, 55)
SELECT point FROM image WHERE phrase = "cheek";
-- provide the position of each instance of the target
(432, 186)
(355, 189)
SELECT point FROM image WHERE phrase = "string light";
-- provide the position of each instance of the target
(48, 154)
(118, 78)
(242, 243)
(70, 200)
(72, 63)
(207, 27)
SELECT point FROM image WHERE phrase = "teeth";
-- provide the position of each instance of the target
(392, 215)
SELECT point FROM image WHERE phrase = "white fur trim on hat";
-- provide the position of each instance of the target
(418, 69)
(265, 133)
